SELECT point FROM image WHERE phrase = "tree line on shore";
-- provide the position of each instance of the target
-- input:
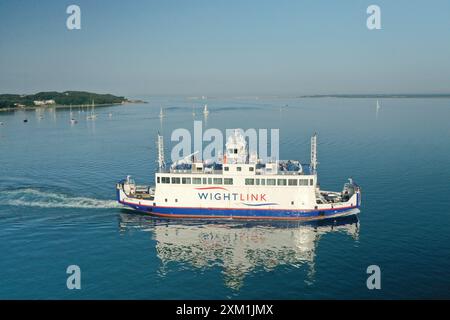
(60, 98)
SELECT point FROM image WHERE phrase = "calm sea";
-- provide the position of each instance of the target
(57, 204)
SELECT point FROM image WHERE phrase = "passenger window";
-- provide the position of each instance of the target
(165, 180)
(176, 180)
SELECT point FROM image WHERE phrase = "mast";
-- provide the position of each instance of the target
(160, 146)
(314, 162)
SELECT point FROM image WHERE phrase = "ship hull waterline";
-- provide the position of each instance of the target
(239, 214)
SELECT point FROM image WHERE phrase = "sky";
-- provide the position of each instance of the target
(225, 47)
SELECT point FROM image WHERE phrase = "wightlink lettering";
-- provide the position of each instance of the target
(227, 196)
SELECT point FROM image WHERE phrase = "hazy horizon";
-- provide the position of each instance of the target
(225, 48)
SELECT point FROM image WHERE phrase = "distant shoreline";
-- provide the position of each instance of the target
(379, 96)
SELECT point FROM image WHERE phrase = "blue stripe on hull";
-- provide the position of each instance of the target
(231, 213)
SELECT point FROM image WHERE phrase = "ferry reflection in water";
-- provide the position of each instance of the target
(238, 247)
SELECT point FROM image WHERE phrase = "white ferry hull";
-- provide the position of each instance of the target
(351, 207)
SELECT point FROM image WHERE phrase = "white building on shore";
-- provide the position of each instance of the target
(43, 102)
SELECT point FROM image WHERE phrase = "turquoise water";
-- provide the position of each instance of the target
(57, 205)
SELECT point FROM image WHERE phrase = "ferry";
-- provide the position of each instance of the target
(239, 186)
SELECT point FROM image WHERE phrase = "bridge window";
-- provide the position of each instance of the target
(281, 182)
(204, 180)
(271, 182)
(251, 169)
(209, 180)
(249, 182)
(228, 181)
(176, 180)
(239, 169)
(311, 182)
(186, 180)
(217, 180)
(257, 182)
(292, 182)
(196, 180)
(263, 182)
(158, 180)
(226, 168)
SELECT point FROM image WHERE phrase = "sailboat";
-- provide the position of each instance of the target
(161, 113)
(92, 116)
(378, 106)
(205, 110)
(72, 119)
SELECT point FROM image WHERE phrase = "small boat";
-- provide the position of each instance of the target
(73, 121)
(205, 110)
(25, 120)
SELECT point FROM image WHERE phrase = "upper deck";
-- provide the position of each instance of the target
(281, 167)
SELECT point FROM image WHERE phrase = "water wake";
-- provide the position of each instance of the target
(30, 197)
